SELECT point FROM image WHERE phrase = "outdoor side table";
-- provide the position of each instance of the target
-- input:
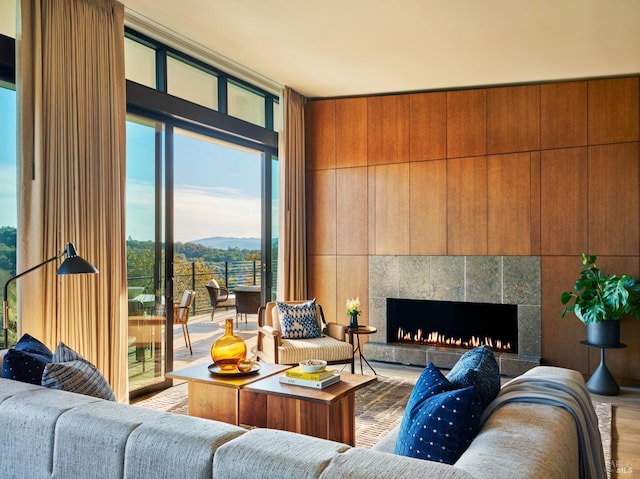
(358, 349)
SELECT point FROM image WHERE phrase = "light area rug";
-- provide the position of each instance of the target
(379, 408)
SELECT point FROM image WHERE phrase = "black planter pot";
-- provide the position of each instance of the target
(605, 334)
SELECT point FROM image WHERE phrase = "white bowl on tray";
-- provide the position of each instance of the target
(313, 365)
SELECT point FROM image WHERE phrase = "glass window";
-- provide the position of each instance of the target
(8, 200)
(245, 104)
(145, 254)
(275, 224)
(277, 117)
(217, 189)
(191, 83)
(140, 63)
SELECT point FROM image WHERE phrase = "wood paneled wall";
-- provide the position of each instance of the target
(546, 170)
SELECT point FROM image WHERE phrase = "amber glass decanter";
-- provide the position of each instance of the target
(228, 349)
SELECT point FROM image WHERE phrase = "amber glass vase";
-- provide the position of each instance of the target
(228, 349)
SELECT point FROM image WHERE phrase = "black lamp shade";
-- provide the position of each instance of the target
(74, 264)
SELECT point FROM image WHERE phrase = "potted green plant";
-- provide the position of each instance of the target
(600, 300)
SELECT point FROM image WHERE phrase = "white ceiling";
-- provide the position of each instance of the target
(357, 47)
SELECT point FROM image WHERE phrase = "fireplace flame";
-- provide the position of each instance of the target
(434, 338)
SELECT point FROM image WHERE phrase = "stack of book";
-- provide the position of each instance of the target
(298, 377)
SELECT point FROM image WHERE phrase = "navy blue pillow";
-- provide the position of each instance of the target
(430, 382)
(477, 367)
(440, 427)
(26, 361)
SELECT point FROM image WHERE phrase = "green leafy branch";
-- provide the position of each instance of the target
(598, 297)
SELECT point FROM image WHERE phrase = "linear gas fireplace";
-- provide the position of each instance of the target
(453, 324)
(497, 301)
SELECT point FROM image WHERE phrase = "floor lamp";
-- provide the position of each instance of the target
(73, 264)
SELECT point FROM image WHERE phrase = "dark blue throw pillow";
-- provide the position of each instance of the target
(430, 382)
(26, 361)
(441, 427)
(477, 367)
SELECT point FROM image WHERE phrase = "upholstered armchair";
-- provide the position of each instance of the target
(275, 347)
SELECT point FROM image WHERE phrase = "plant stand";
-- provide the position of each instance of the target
(602, 381)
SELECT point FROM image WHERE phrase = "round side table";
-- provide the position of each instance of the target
(357, 332)
(602, 381)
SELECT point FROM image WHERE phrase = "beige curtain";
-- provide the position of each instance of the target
(292, 270)
(71, 94)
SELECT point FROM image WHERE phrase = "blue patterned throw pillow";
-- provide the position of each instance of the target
(441, 427)
(477, 367)
(69, 371)
(299, 321)
(26, 361)
(430, 383)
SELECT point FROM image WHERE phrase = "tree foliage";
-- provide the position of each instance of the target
(8, 250)
(190, 261)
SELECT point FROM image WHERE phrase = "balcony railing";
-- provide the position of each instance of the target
(228, 274)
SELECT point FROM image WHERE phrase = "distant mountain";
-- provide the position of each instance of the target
(224, 243)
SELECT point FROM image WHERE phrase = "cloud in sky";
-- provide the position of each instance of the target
(8, 216)
(199, 212)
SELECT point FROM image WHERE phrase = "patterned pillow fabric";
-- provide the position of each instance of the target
(69, 371)
(26, 361)
(299, 321)
(441, 427)
(477, 367)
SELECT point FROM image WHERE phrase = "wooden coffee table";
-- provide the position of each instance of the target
(327, 413)
(222, 398)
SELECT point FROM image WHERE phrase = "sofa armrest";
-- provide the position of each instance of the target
(336, 331)
(2, 353)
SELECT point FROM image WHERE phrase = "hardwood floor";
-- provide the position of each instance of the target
(625, 433)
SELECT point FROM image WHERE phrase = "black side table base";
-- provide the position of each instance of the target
(602, 381)
(358, 349)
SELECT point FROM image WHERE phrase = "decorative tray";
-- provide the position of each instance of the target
(213, 369)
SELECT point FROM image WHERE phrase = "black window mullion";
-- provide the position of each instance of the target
(161, 70)
(268, 113)
(223, 104)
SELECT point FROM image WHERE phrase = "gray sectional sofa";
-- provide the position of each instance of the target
(47, 433)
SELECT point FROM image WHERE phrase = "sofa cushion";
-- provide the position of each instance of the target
(292, 351)
(26, 361)
(477, 367)
(440, 426)
(299, 321)
(71, 372)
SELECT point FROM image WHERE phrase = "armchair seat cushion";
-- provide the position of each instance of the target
(292, 351)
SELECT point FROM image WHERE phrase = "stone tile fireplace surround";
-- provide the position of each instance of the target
(481, 279)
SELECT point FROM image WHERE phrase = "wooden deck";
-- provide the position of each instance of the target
(204, 332)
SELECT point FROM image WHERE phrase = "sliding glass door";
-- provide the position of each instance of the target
(208, 203)
(145, 207)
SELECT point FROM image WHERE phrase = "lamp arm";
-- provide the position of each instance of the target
(5, 303)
